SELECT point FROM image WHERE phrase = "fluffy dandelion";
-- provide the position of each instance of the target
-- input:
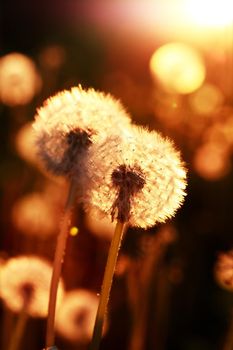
(76, 316)
(68, 123)
(65, 128)
(19, 79)
(24, 288)
(139, 180)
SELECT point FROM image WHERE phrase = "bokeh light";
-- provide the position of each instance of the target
(25, 144)
(211, 161)
(223, 271)
(52, 57)
(206, 100)
(34, 215)
(221, 131)
(74, 231)
(178, 67)
(100, 227)
(19, 79)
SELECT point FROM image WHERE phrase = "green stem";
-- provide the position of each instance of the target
(106, 286)
(18, 331)
(57, 265)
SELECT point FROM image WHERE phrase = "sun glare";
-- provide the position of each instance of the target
(210, 13)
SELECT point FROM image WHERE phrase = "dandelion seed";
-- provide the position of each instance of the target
(139, 179)
(27, 278)
(68, 123)
(76, 316)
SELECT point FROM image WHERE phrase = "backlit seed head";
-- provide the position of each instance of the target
(25, 282)
(138, 179)
(69, 122)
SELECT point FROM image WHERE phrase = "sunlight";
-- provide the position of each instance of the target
(210, 13)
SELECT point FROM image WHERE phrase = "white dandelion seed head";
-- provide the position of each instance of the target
(76, 316)
(70, 121)
(151, 176)
(27, 275)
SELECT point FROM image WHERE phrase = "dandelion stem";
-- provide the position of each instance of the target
(106, 286)
(57, 265)
(18, 331)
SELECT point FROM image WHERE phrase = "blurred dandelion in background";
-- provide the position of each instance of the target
(19, 79)
(76, 316)
(30, 275)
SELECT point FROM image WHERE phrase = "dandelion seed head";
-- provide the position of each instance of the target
(69, 122)
(223, 270)
(27, 278)
(76, 316)
(140, 179)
